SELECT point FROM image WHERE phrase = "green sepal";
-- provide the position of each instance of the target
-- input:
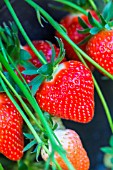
(30, 69)
(35, 83)
(103, 22)
(13, 27)
(108, 11)
(61, 54)
(28, 135)
(24, 55)
(92, 21)
(29, 145)
(39, 18)
(82, 23)
(94, 30)
(111, 141)
(46, 69)
(108, 150)
(53, 51)
(85, 31)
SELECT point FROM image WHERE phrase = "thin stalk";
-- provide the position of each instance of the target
(93, 5)
(65, 36)
(73, 5)
(25, 107)
(78, 8)
(23, 31)
(102, 98)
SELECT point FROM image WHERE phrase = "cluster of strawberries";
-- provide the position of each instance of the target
(69, 94)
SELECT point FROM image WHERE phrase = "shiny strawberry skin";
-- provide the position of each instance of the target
(70, 94)
(76, 154)
(43, 46)
(72, 25)
(100, 49)
(11, 136)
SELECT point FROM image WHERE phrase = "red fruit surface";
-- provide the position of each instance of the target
(11, 136)
(43, 46)
(72, 25)
(100, 49)
(70, 94)
(76, 154)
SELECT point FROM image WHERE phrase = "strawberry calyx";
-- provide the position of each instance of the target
(46, 70)
(105, 22)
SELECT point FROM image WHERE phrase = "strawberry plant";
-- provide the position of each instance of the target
(38, 86)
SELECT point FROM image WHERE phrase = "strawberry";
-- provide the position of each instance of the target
(11, 137)
(100, 49)
(76, 154)
(72, 25)
(69, 94)
(43, 46)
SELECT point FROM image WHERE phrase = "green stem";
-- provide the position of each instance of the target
(93, 5)
(103, 101)
(73, 5)
(105, 106)
(78, 8)
(64, 35)
(23, 32)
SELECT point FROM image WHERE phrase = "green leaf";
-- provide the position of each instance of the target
(82, 23)
(107, 150)
(30, 69)
(39, 18)
(111, 141)
(22, 165)
(28, 136)
(92, 20)
(24, 55)
(35, 83)
(46, 69)
(53, 51)
(29, 145)
(1, 167)
(85, 31)
(108, 11)
(13, 27)
(94, 30)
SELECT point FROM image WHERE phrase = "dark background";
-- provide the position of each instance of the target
(94, 134)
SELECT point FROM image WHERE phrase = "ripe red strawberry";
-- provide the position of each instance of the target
(75, 152)
(72, 25)
(43, 46)
(100, 49)
(70, 94)
(11, 137)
